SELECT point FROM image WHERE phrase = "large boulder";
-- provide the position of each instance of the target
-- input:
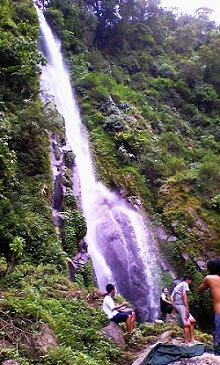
(115, 333)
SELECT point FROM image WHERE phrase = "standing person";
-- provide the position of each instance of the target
(180, 302)
(111, 310)
(166, 306)
(212, 282)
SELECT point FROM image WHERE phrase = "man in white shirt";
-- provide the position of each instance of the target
(180, 303)
(111, 310)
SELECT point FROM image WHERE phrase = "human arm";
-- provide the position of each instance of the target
(204, 285)
(185, 301)
(164, 299)
(119, 306)
(109, 306)
(172, 300)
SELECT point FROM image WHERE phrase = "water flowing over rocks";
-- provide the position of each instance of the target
(120, 240)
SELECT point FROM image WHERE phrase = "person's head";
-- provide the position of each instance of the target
(213, 266)
(110, 289)
(165, 290)
(188, 278)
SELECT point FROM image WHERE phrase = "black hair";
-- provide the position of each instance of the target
(165, 287)
(187, 276)
(109, 288)
(213, 266)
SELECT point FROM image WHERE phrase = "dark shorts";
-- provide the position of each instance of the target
(216, 329)
(167, 308)
(121, 317)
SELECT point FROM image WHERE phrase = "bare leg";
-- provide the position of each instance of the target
(130, 322)
(192, 339)
(186, 334)
(133, 318)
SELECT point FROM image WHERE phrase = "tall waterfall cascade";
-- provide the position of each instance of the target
(119, 240)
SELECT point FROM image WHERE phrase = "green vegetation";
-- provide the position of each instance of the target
(40, 298)
(41, 295)
(146, 82)
(148, 86)
(26, 229)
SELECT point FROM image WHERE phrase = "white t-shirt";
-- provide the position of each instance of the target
(178, 292)
(108, 306)
(163, 296)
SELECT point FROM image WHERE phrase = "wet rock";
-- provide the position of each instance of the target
(115, 333)
(58, 193)
(123, 105)
(201, 264)
(131, 120)
(109, 107)
(135, 200)
(185, 256)
(163, 236)
(166, 336)
(125, 156)
(69, 158)
(172, 239)
(175, 223)
(114, 124)
(46, 338)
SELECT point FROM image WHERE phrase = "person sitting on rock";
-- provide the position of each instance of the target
(112, 310)
(166, 306)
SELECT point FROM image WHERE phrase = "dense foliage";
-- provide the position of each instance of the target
(26, 228)
(41, 296)
(148, 87)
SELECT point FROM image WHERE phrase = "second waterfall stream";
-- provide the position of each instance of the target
(119, 240)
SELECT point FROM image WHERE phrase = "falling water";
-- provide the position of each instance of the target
(119, 240)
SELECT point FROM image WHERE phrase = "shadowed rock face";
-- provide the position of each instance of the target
(58, 193)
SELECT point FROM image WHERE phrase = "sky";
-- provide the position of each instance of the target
(189, 6)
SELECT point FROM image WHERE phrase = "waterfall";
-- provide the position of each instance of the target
(119, 240)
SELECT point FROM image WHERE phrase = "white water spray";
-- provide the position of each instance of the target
(119, 240)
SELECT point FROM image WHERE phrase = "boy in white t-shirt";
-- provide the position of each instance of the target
(180, 303)
(111, 310)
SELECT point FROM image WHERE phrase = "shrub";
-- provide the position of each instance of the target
(73, 230)
(215, 203)
(173, 165)
(56, 20)
(173, 143)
